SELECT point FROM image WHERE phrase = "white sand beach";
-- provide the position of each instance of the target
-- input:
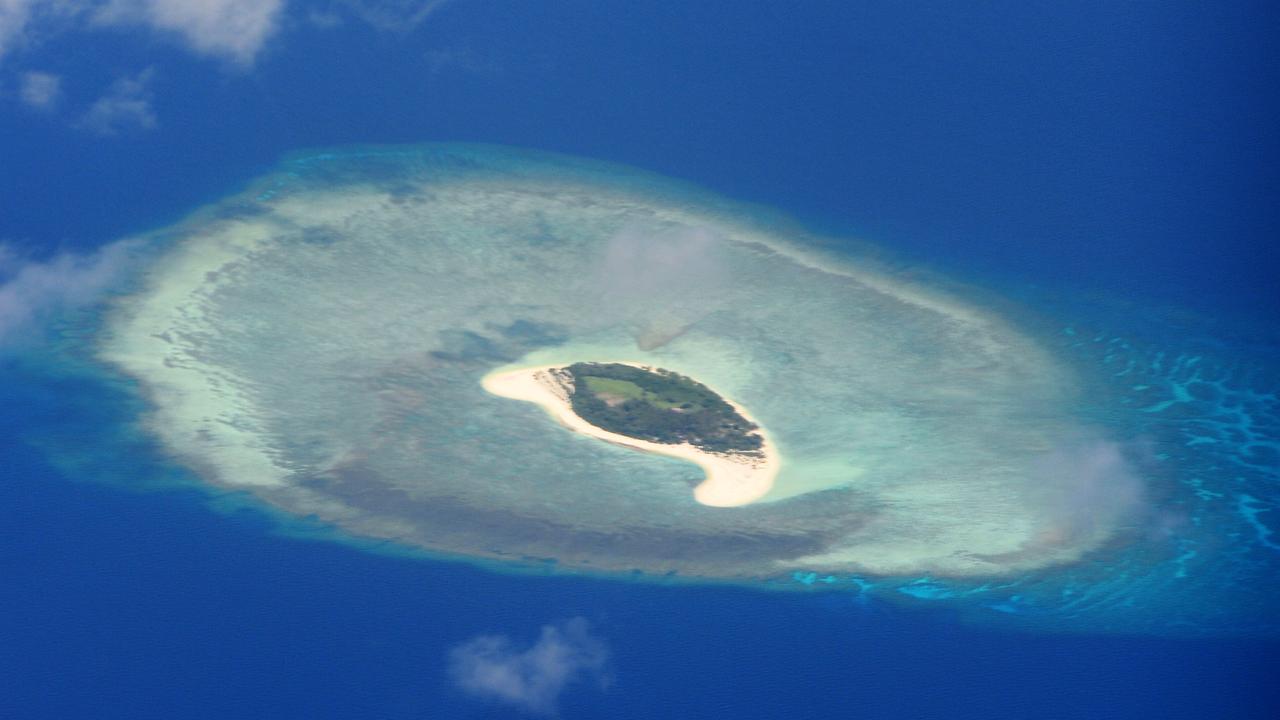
(732, 480)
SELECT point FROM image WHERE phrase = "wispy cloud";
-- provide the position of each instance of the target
(393, 15)
(125, 106)
(24, 22)
(1085, 486)
(235, 30)
(31, 291)
(324, 19)
(530, 677)
(465, 60)
(40, 90)
(642, 263)
(14, 16)
(652, 279)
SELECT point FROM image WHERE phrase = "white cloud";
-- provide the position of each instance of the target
(14, 15)
(125, 106)
(462, 59)
(324, 19)
(40, 90)
(31, 291)
(235, 30)
(530, 677)
(1085, 487)
(24, 22)
(232, 29)
(393, 15)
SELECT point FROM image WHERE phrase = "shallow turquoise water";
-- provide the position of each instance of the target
(1049, 473)
(1067, 166)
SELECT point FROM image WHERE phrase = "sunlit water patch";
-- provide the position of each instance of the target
(319, 341)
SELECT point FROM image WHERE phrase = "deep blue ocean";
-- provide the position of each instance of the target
(1114, 166)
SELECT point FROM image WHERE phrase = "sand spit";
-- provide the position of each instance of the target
(732, 480)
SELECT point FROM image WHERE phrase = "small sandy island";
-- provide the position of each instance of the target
(733, 479)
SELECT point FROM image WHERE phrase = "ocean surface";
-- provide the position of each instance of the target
(1107, 172)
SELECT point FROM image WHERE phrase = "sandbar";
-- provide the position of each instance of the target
(732, 480)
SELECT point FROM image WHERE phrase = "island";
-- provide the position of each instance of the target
(660, 406)
(654, 410)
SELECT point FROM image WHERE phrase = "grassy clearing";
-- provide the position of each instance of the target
(623, 390)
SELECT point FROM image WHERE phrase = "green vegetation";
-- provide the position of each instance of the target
(659, 406)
